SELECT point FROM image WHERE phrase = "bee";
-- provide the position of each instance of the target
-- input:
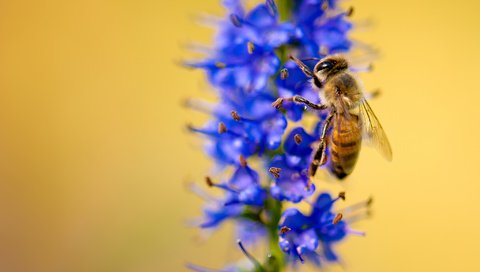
(350, 121)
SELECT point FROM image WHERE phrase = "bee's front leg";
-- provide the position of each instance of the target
(320, 157)
(300, 100)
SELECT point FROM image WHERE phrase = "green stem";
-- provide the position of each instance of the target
(285, 8)
(277, 260)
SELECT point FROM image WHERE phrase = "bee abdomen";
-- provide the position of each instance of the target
(344, 149)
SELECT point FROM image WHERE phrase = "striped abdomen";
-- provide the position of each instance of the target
(345, 143)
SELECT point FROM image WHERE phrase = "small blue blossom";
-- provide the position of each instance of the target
(298, 143)
(292, 183)
(242, 190)
(250, 128)
(323, 27)
(296, 237)
(233, 64)
(301, 235)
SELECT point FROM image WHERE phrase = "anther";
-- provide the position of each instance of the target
(220, 65)
(284, 230)
(341, 195)
(278, 103)
(297, 138)
(369, 201)
(235, 115)
(284, 73)
(363, 204)
(190, 127)
(209, 181)
(375, 93)
(337, 218)
(323, 50)
(349, 12)
(243, 161)
(275, 171)
(250, 47)
(235, 20)
(222, 128)
(325, 5)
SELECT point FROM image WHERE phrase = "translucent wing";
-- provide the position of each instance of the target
(373, 131)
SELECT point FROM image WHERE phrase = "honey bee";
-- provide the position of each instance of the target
(350, 119)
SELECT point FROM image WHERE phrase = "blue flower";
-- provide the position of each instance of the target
(323, 28)
(241, 191)
(302, 235)
(243, 128)
(298, 143)
(291, 183)
(296, 237)
(245, 57)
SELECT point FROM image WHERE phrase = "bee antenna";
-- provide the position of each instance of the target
(305, 69)
(310, 59)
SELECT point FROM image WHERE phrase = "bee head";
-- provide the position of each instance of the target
(330, 65)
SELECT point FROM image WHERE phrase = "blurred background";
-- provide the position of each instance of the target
(94, 156)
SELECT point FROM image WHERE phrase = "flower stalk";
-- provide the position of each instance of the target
(250, 68)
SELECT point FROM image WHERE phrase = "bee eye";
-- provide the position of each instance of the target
(325, 65)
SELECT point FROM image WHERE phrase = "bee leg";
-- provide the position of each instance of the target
(320, 157)
(300, 100)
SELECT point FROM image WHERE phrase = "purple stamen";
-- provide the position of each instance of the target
(197, 268)
(356, 232)
(298, 254)
(248, 255)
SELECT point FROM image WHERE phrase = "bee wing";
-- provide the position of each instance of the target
(373, 131)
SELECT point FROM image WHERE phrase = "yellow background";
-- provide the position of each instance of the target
(94, 156)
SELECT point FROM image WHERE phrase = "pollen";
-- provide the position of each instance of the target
(235, 20)
(349, 12)
(284, 230)
(284, 73)
(275, 171)
(369, 201)
(235, 115)
(323, 50)
(297, 138)
(222, 128)
(243, 161)
(337, 218)
(209, 181)
(250, 47)
(220, 65)
(325, 5)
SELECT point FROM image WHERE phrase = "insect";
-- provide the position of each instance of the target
(350, 119)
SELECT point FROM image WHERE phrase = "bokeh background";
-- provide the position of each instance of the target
(94, 156)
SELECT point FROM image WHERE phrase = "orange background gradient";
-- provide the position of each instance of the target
(94, 156)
